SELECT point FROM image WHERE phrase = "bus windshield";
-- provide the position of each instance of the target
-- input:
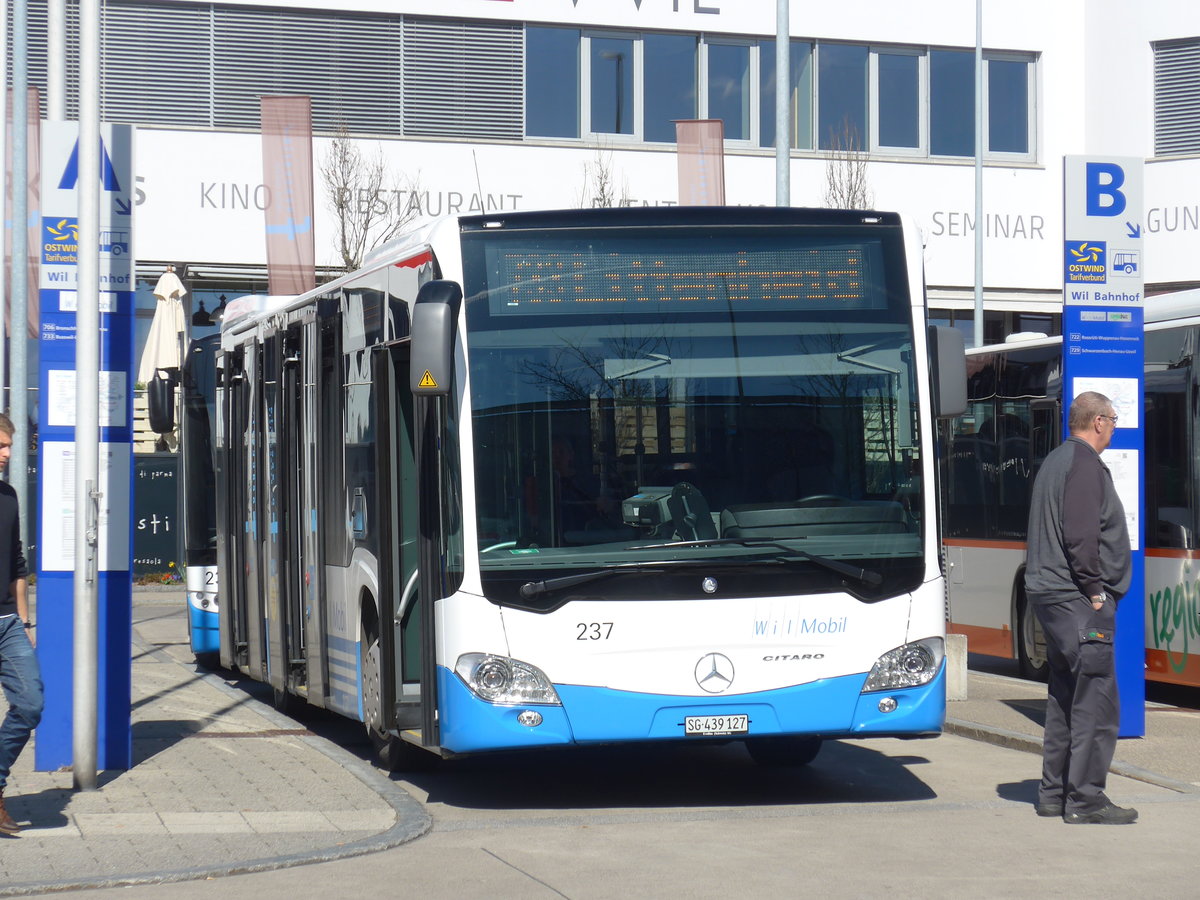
(644, 398)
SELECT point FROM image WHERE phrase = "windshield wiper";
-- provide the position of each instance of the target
(866, 576)
(531, 589)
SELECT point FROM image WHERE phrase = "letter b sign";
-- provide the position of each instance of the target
(1103, 182)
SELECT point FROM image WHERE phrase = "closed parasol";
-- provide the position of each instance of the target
(159, 368)
(164, 346)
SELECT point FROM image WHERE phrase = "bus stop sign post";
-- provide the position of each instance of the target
(59, 383)
(1103, 350)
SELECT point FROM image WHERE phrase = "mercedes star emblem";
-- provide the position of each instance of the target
(714, 672)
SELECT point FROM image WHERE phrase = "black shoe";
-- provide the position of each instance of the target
(1105, 815)
(1049, 810)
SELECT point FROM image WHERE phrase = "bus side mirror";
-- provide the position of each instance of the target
(948, 359)
(434, 322)
(160, 401)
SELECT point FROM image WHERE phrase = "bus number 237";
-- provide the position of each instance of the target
(593, 631)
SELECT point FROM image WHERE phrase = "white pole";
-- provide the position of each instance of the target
(3, 201)
(18, 397)
(56, 60)
(979, 223)
(87, 407)
(783, 84)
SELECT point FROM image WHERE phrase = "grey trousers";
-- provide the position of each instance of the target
(1083, 707)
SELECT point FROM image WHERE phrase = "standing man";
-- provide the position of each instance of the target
(1078, 567)
(19, 674)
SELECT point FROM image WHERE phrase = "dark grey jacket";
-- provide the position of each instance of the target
(1078, 540)
(12, 560)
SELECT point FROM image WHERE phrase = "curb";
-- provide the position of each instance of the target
(411, 822)
(1017, 741)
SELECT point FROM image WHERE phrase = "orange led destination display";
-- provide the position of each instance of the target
(823, 277)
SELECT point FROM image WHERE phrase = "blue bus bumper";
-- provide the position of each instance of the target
(203, 628)
(833, 708)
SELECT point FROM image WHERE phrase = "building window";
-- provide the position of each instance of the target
(729, 88)
(552, 82)
(1008, 106)
(670, 83)
(898, 115)
(799, 94)
(997, 324)
(842, 97)
(951, 103)
(895, 101)
(1039, 323)
(1177, 97)
(611, 67)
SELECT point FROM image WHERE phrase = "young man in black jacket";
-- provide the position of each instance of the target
(1077, 568)
(19, 674)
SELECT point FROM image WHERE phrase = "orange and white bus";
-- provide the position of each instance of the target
(991, 454)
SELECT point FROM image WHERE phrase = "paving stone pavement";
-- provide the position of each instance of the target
(220, 783)
(1010, 712)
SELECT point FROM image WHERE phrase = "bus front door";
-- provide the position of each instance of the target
(397, 485)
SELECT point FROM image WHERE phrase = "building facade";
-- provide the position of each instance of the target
(524, 104)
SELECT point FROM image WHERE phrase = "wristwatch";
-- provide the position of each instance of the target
(27, 624)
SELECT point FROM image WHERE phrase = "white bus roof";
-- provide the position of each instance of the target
(252, 306)
(1179, 305)
(242, 313)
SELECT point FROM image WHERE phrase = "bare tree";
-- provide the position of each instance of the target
(846, 184)
(367, 199)
(599, 190)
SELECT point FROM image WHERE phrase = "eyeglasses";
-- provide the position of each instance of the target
(1113, 419)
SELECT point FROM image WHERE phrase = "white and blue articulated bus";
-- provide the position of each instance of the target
(533, 480)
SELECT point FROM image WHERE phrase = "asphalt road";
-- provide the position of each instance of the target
(948, 817)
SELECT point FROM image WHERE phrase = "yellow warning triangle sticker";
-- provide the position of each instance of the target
(427, 380)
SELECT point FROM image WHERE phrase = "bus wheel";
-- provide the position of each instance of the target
(392, 753)
(395, 754)
(784, 751)
(372, 697)
(1031, 642)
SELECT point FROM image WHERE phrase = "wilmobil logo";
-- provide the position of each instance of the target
(60, 242)
(786, 626)
(1086, 261)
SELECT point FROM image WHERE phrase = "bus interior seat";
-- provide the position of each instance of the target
(1173, 528)
(690, 514)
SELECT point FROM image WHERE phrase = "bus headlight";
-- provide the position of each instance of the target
(498, 679)
(910, 665)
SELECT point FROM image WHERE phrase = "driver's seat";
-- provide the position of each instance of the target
(690, 514)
